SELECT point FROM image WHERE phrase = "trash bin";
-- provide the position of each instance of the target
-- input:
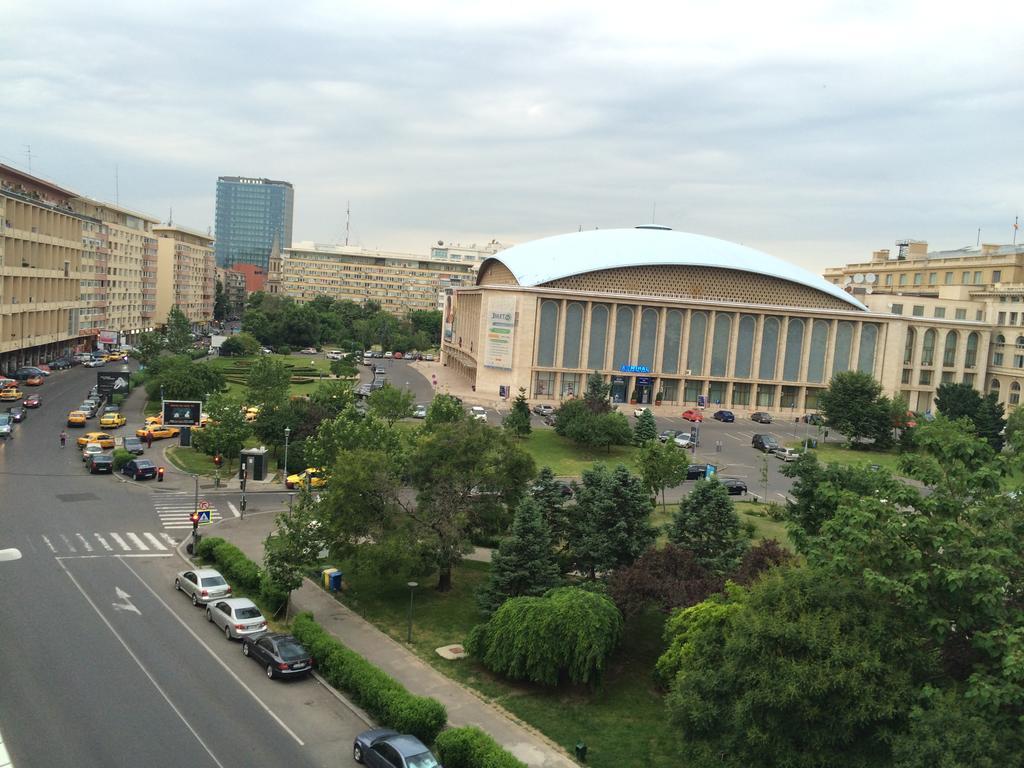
(326, 575)
(185, 437)
(255, 462)
(335, 581)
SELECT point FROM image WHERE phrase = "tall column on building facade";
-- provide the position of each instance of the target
(755, 364)
(659, 351)
(805, 363)
(609, 340)
(830, 350)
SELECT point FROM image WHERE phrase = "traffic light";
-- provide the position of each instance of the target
(217, 461)
(194, 517)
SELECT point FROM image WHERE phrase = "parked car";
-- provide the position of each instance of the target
(112, 420)
(638, 412)
(17, 413)
(308, 351)
(32, 401)
(419, 412)
(139, 469)
(335, 354)
(428, 358)
(100, 463)
(813, 418)
(388, 355)
(94, 362)
(158, 432)
(236, 616)
(202, 585)
(543, 409)
(11, 393)
(478, 412)
(310, 475)
(77, 418)
(683, 440)
(6, 425)
(761, 417)
(88, 407)
(668, 434)
(764, 442)
(61, 363)
(90, 450)
(693, 415)
(34, 381)
(134, 446)
(398, 355)
(27, 372)
(104, 439)
(550, 419)
(281, 655)
(384, 748)
(696, 471)
(787, 454)
(724, 416)
(733, 486)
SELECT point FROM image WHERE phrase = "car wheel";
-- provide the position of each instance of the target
(357, 753)
(227, 633)
(245, 648)
(195, 600)
(270, 672)
(177, 585)
(209, 615)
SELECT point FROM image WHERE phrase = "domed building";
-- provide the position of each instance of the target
(662, 316)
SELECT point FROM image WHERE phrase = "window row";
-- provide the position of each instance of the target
(926, 354)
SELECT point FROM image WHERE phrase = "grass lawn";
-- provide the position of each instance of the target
(566, 459)
(198, 463)
(321, 364)
(828, 454)
(622, 722)
(765, 526)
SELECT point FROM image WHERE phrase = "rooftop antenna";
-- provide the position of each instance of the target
(348, 217)
(28, 154)
(978, 242)
(170, 221)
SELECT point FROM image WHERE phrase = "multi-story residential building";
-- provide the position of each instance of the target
(186, 274)
(40, 278)
(399, 282)
(118, 271)
(252, 214)
(233, 283)
(254, 277)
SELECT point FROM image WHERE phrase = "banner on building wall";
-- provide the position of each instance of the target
(107, 337)
(449, 316)
(501, 327)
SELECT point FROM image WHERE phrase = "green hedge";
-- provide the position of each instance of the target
(470, 747)
(372, 688)
(121, 457)
(241, 572)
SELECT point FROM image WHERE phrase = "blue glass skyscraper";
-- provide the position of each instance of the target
(250, 214)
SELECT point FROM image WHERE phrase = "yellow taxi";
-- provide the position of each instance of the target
(11, 393)
(111, 357)
(158, 432)
(112, 420)
(252, 413)
(153, 421)
(77, 419)
(104, 440)
(316, 479)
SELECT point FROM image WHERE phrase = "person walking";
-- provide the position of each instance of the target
(149, 438)
(63, 438)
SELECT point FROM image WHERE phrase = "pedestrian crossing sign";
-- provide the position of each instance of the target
(204, 517)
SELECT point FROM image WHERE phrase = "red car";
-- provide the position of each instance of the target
(32, 401)
(692, 415)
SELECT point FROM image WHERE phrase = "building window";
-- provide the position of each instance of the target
(765, 395)
(907, 373)
(918, 278)
(940, 312)
(971, 356)
(997, 275)
(947, 377)
(571, 385)
(692, 389)
(977, 278)
(1001, 319)
(949, 278)
(997, 358)
(908, 347)
(966, 278)
(741, 394)
(695, 343)
(844, 342)
(903, 280)
(598, 337)
(819, 346)
(866, 356)
(1013, 318)
(546, 337)
(648, 337)
(888, 279)
(794, 350)
(769, 347)
(961, 314)
(720, 344)
(897, 309)
(979, 315)
(933, 278)
(1015, 393)
(544, 384)
(670, 390)
(716, 392)
(928, 348)
(969, 379)
(918, 310)
(949, 350)
(788, 397)
(926, 378)
(994, 386)
(673, 334)
(744, 346)
(573, 335)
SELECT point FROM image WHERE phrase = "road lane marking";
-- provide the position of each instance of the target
(154, 541)
(68, 543)
(170, 542)
(103, 541)
(234, 511)
(217, 658)
(138, 662)
(85, 543)
(139, 543)
(5, 758)
(120, 542)
(50, 545)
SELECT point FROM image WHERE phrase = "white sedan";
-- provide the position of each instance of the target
(638, 412)
(478, 412)
(236, 616)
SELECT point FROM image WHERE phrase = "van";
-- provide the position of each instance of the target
(765, 442)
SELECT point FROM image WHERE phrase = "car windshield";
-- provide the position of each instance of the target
(422, 760)
(4, 418)
(249, 612)
(291, 651)
(144, 464)
(214, 581)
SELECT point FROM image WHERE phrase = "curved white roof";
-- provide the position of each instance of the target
(551, 258)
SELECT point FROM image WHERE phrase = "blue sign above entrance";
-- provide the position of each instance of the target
(634, 369)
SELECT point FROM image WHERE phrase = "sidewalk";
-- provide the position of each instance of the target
(464, 706)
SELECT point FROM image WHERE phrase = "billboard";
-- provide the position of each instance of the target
(110, 382)
(108, 337)
(449, 316)
(182, 413)
(501, 332)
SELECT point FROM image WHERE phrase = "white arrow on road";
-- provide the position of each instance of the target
(127, 604)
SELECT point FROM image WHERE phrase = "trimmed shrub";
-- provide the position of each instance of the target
(121, 457)
(301, 380)
(284, 350)
(372, 688)
(242, 572)
(469, 747)
(566, 635)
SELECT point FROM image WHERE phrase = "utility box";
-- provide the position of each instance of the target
(334, 583)
(255, 462)
(185, 437)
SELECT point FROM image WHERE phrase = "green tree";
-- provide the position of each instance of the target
(240, 345)
(597, 395)
(344, 368)
(645, 429)
(391, 404)
(854, 405)
(226, 431)
(292, 548)
(148, 349)
(707, 524)
(547, 493)
(427, 321)
(268, 381)
(444, 409)
(1014, 424)
(517, 420)
(662, 465)
(602, 429)
(220, 302)
(989, 422)
(178, 332)
(610, 526)
(956, 400)
(524, 563)
(333, 397)
(665, 577)
(178, 378)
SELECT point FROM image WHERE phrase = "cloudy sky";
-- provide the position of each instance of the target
(817, 131)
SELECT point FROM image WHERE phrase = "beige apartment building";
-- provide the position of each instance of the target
(186, 274)
(119, 271)
(40, 259)
(399, 282)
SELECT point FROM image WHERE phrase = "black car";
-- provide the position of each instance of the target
(282, 655)
(27, 372)
(139, 469)
(696, 471)
(766, 443)
(384, 748)
(17, 413)
(733, 486)
(723, 416)
(100, 463)
(668, 435)
(761, 417)
(813, 418)
(60, 364)
(134, 446)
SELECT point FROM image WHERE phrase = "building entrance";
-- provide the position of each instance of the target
(620, 386)
(644, 387)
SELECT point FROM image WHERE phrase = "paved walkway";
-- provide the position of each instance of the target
(464, 706)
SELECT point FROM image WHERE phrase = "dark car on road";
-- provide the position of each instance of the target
(813, 418)
(281, 655)
(28, 372)
(696, 471)
(668, 435)
(134, 446)
(17, 413)
(766, 443)
(139, 469)
(384, 748)
(723, 416)
(100, 463)
(733, 486)
(61, 363)
(761, 417)
(33, 401)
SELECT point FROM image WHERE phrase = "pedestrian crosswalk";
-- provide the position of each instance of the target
(109, 543)
(174, 507)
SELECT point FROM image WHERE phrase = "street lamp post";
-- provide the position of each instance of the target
(412, 587)
(287, 431)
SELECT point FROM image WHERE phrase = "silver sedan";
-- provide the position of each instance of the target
(236, 616)
(203, 585)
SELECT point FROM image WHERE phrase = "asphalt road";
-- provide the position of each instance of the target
(103, 662)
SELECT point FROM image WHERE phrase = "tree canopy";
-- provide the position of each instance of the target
(853, 404)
